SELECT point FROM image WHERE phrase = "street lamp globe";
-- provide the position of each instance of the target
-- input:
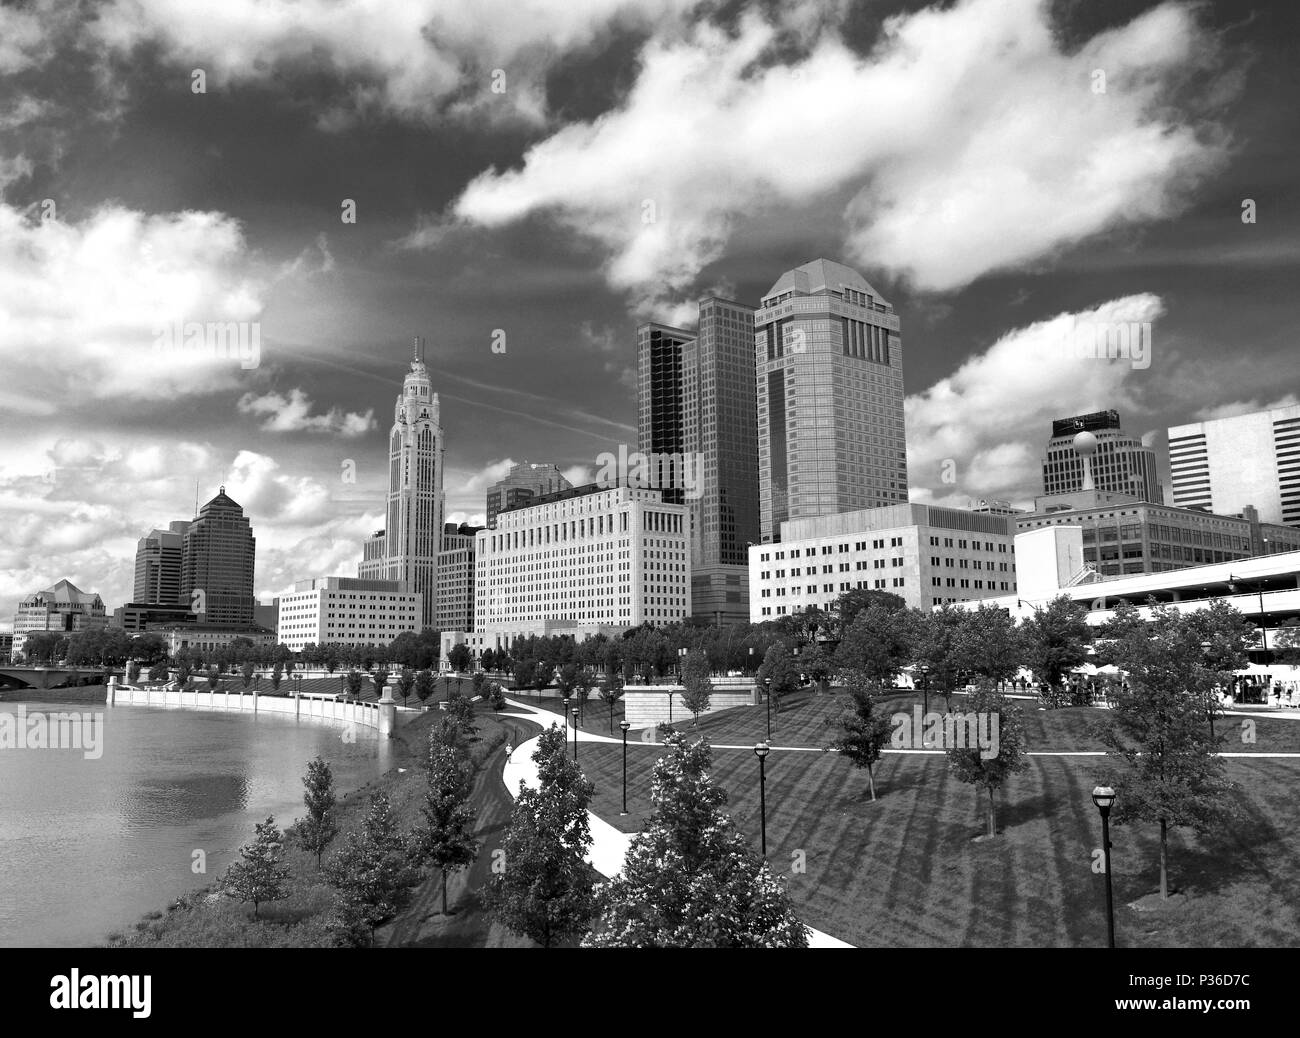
(1103, 797)
(761, 750)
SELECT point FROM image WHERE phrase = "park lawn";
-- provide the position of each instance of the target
(801, 722)
(905, 871)
(596, 717)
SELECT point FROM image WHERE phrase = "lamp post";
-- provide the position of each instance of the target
(751, 659)
(625, 726)
(761, 750)
(925, 686)
(767, 702)
(575, 733)
(1104, 797)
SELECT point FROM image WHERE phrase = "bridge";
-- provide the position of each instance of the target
(49, 677)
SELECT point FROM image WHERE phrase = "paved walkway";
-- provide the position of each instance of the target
(608, 845)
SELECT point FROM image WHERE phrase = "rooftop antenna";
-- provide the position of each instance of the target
(196, 495)
(419, 348)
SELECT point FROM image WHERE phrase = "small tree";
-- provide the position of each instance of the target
(478, 683)
(690, 878)
(423, 685)
(459, 657)
(381, 678)
(697, 688)
(373, 872)
(778, 665)
(259, 875)
(277, 675)
(405, 682)
(879, 642)
(446, 840)
(863, 728)
(353, 682)
(545, 890)
(818, 665)
(316, 831)
(1174, 775)
(989, 767)
(611, 693)
(331, 660)
(246, 671)
(1056, 639)
(212, 675)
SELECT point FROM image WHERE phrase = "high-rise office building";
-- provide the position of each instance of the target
(456, 576)
(660, 395)
(406, 550)
(522, 483)
(831, 435)
(158, 566)
(217, 554)
(1226, 464)
(1120, 465)
(696, 393)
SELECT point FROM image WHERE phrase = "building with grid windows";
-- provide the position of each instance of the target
(1120, 463)
(580, 561)
(456, 577)
(347, 611)
(63, 608)
(1227, 464)
(926, 555)
(158, 565)
(831, 434)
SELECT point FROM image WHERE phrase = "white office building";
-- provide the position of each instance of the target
(924, 554)
(583, 560)
(347, 611)
(1224, 465)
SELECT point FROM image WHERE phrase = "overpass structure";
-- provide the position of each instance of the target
(48, 677)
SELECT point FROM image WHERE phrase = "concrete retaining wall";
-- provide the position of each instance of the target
(304, 707)
(650, 704)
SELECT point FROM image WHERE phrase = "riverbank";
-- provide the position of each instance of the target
(207, 918)
(73, 694)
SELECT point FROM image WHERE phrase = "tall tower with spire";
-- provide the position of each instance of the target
(407, 548)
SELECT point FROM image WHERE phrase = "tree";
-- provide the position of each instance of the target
(988, 767)
(246, 671)
(818, 664)
(1056, 639)
(546, 888)
(690, 878)
(331, 659)
(989, 644)
(879, 642)
(277, 675)
(938, 650)
(525, 671)
(846, 608)
(315, 832)
(697, 688)
(1173, 773)
(863, 729)
(779, 666)
(446, 840)
(459, 657)
(212, 676)
(259, 875)
(423, 685)
(381, 678)
(373, 872)
(611, 694)
(354, 683)
(405, 682)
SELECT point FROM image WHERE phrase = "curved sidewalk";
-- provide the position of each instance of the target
(608, 844)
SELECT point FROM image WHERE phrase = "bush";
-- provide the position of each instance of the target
(496, 697)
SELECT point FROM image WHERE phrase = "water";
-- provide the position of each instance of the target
(87, 846)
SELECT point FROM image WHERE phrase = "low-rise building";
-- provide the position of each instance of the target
(62, 608)
(925, 554)
(347, 611)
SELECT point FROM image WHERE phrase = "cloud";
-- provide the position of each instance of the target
(981, 432)
(952, 144)
(411, 60)
(1244, 407)
(292, 413)
(85, 306)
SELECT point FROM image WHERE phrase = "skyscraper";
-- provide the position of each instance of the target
(522, 483)
(660, 429)
(217, 554)
(1121, 464)
(831, 435)
(407, 548)
(1223, 465)
(158, 566)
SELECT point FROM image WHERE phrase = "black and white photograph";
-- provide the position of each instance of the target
(882, 415)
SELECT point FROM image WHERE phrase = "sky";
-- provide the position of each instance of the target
(339, 176)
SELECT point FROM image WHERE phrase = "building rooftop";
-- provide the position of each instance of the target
(822, 275)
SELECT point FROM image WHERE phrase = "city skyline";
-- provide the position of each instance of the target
(471, 250)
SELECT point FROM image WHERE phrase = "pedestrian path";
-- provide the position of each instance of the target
(608, 844)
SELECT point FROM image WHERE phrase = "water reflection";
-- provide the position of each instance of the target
(88, 846)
